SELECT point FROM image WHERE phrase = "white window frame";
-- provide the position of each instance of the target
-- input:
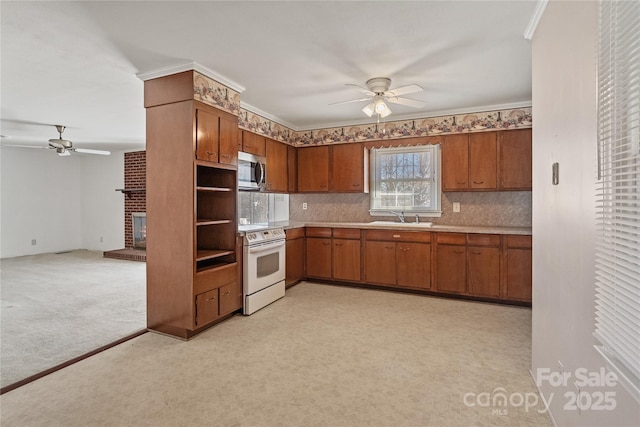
(617, 284)
(435, 179)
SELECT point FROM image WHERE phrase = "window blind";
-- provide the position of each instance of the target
(617, 305)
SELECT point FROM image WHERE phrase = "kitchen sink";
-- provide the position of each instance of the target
(401, 224)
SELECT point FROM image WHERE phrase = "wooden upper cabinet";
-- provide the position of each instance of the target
(347, 168)
(292, 167)
(276, 166)
(253, 143)
(313, 169)
(455, 163)
(207, 136)
(514, 157)
(483, 161)
(230, 141)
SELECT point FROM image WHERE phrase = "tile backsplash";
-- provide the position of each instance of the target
(504, 208)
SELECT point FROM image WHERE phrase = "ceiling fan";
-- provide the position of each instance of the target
(64, 147)
(378, 92)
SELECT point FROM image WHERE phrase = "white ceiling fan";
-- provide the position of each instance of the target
(64, 147)
(378, 92)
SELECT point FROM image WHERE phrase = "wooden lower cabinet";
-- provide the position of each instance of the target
(380, 261)
(318, 257)
(484, 271)
(346, 259)
(517, 261)
(295, 260)
(207, 309)
(413, 265)
(230, 297)
(452, 268)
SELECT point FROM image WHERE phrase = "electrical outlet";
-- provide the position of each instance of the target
(33, 242)
(456, 206)
(304, 206)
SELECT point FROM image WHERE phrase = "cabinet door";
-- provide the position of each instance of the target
(347, 168)
(452, 268)
(295, 261)
(292, 166)
(484, 271)
(253, 143)
(455, 163)
(229, 141)
(318, 257)
(206, 307)
(518, 274)
(276, 166)
(414, 265)
(483, 160)
(230, 298)
(207, 136)
(346, 259)
(380, 262)
(313, 169)
(515, 159)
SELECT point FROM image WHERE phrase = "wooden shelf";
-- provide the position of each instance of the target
(216, 165)
(215, 189)
(203, 221)
(204, 254)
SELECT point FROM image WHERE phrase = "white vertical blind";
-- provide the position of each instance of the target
(617, 322)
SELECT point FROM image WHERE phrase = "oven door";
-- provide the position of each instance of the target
(264, 265)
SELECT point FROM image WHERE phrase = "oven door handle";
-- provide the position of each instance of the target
(266, 247)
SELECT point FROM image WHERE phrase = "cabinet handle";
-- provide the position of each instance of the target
(458, 252)
(478, 182)
(226, 293)
(226, 156)
(325, 243)
(475, 253)
(339, 244)
(211, 299)
(211, 153)
(355, 185)
(388, 247)
(405, 249)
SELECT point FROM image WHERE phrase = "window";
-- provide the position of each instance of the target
(406, 179)
(617, 314)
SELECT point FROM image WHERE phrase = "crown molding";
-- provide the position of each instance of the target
(535, 19)
(162, 72)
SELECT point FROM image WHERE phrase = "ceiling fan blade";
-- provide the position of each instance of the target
(89, 151)
(348, 102)
(404, 90)
(361, 89)
(406, 101)
(24, 146)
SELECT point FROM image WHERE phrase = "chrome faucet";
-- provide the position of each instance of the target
(399, 215)
(417, 219)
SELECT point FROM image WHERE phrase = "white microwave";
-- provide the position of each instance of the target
(252, 172)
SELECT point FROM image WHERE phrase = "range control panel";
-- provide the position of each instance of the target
(264, 235)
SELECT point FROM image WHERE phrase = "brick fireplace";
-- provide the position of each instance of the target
(135, 176)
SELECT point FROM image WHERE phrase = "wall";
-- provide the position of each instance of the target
(57, 200)
(564, 104)
(506, 208)
(102, 206)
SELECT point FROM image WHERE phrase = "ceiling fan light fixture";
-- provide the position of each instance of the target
(369, 109)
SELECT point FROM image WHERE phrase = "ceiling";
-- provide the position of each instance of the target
(77, 63)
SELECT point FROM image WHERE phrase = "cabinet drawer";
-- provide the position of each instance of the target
(483, 239)
(398, 236)
(452, 238)
(215, 277)
(318, 232)
(346, 233)
(206, 307)
(518, 241)
(230, 298)
(294, 233)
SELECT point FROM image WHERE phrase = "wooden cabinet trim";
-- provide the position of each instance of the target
(294, 233)
(318, 232)
(398, 236)
(517, 241)
(346, 233)
(483, 239)
(452, 238)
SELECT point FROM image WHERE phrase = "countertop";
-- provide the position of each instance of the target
(525, 231)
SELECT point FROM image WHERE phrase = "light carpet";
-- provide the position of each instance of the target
(55, 307)
(321, 356)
